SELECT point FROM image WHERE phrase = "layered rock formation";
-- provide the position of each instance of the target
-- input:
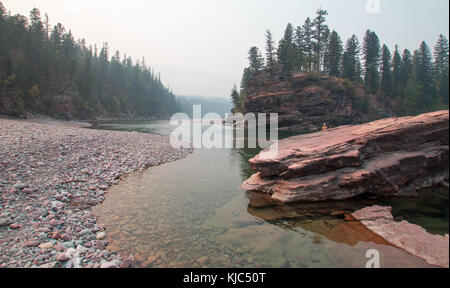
(434, 249)
(305, 101)
(395, 156)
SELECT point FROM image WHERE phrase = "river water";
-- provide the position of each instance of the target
(193, 213)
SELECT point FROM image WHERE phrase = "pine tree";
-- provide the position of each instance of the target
(351, 59)
(371, 52)
(308, 44)
(34, 66)
(2, 10)
(386, 72)
(441, 55)
(407, 68)
(359, 71)
(300, 57)
(425, 72)
(270, 50)
(334, 55)
(255, 59)
(318, 35)
(441, 68)
(285, 49)
(245, 82)
(396, 69)
(235, 97)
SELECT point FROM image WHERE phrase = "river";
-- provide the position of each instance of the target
(193, 213)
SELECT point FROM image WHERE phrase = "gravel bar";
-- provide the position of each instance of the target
(50, 177)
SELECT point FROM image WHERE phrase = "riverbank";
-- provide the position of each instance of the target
(50, 177)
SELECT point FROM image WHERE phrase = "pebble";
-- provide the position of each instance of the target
(46, 246)
(62, 257)
(100, 236)
(31, 244)
(5, 221)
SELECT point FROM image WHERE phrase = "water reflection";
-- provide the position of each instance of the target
(192, 213)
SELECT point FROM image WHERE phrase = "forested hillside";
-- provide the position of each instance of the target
(219, 106)
(409, 82)
(44, 70)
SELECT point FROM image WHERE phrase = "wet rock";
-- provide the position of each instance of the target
(128, 262)
(202, 260)
(434, 249)
(99, 245)
(396, 156)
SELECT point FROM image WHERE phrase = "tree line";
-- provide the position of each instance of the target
(38, 61)
(412, 83)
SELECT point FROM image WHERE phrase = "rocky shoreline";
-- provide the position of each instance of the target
(50, 177)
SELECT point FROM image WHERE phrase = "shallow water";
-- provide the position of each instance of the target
(193, 213)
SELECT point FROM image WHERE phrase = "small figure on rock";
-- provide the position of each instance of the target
(324, 127)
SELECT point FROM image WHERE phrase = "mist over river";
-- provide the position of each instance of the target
(193, 213)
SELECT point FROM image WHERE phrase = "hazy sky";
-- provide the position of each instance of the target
(200, 46)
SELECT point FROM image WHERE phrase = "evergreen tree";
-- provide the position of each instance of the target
(359, 71)
(441, 68)
(235, 97)
(319, 32)
(424, 71)
(245, 82)
(407, 68)
(285, 49)
(36, 64)
(386, 72)
(334, 55)
(255, 59)
(2, 10)
(270, 50)
(441, 55)
(396, 69)
(300, 57)
(371, 52)
(351, 59)
(308, 44)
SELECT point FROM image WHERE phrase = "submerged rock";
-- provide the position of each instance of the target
(434, 249)
(395, 156)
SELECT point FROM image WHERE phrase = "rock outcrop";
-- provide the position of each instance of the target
(434, 249)
(305, 101)
(395, 156)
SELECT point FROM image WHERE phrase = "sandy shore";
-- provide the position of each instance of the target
(50, 177)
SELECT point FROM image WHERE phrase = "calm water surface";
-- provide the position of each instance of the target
(193, 213)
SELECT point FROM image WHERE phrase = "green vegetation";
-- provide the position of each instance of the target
(411, 83)
(38, 63)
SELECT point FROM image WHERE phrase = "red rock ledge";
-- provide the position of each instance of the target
(395, 156)
(434, 249)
